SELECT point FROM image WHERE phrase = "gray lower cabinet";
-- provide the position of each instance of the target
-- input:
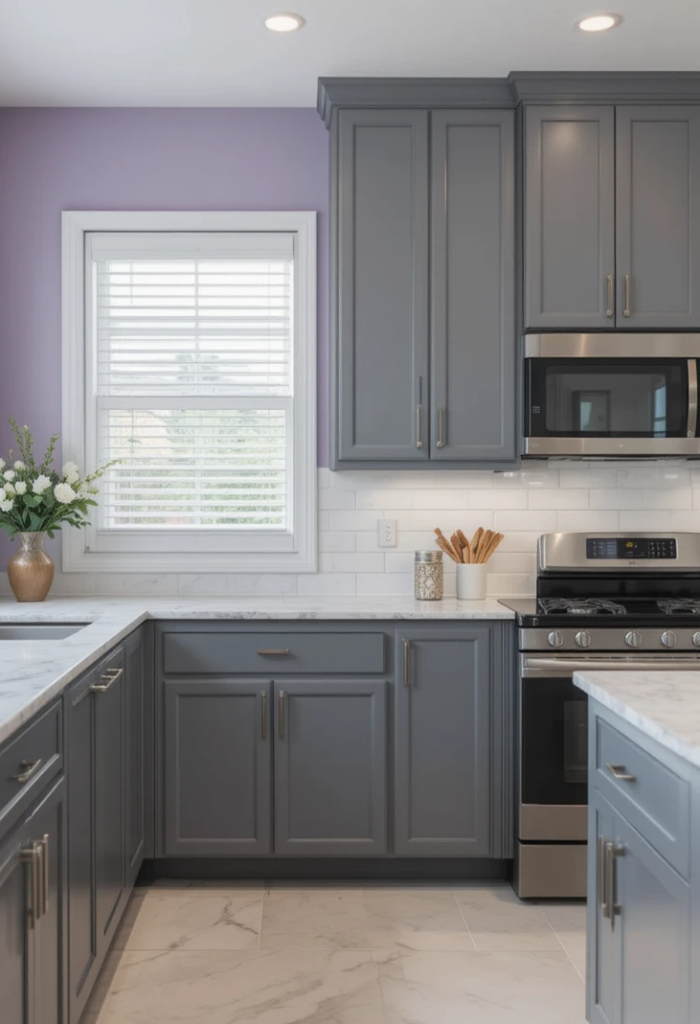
(443, 795)
(97, 798)
(330, 768)
(603, 989)
(137, 699)
(217, 767)
(32, 915)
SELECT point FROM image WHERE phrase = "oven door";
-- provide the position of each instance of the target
(609, 398)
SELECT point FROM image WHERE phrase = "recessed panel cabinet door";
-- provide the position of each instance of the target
(135, 767)
(658, 217)
(382, 285)
(16, 949)
(569, 249)
(603, 983)
(330, 768)
(47, 826)
(443, 747)
(474, 347)
(217, 771)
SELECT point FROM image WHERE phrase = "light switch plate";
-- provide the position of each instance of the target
(386, 533)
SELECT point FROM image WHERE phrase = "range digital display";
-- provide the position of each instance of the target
(632, 548)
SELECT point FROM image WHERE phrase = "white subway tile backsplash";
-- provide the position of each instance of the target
(521, 504)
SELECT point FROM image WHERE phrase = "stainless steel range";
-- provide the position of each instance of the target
(604, 601)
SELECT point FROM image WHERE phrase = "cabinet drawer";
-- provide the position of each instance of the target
(36, 755)
(272, 653)
(654, 799)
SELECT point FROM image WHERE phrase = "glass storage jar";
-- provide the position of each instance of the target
(428, 576)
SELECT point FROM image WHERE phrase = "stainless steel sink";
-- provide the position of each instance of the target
(39, 630)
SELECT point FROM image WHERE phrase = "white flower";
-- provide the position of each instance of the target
(41, 484)
(9, 491)
(21, 487)
(9, 474)
(71, 473)
(7, 506)
(64, 494)
(2, 493)
(2, 463)
(19, 465)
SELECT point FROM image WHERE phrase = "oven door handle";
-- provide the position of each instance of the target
(532, 667)
(692, 397)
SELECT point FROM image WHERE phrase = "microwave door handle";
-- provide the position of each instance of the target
(692, 397)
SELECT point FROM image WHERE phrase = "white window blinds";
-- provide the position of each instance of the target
(192, 370)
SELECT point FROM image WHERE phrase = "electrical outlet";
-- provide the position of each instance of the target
(386, 533)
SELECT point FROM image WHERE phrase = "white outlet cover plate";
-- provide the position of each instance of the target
(386, 533)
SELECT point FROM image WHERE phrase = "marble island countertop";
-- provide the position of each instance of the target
(33, 672)
(663, 705)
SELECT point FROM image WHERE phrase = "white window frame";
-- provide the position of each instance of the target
(83, 551)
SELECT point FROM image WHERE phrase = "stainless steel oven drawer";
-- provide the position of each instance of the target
(649, 795)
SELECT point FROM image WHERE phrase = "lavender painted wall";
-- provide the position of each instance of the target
(133, 159)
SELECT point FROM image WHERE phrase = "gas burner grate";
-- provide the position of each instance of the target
(583, 606)
(679, 605)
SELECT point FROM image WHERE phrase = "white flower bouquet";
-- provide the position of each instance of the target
(38, 499)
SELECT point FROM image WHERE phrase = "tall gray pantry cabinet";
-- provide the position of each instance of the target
(423, 287)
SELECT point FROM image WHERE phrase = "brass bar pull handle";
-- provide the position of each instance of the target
(263, 714)
(282, 711)
(47, 872)
(628, 289)
(27, 769)
(419, 426)
(109, 679)
(440, 438)
(406, 656)
(602, 878)
(30, 857)
(271, 652)
(618, 772)
(611, 296)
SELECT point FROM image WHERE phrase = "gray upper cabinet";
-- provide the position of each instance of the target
(612, 217)
(472, 274)
(330, 768)
(658, 217)
(382, 285)
(443, 792)
(217, 768)
(569, 209)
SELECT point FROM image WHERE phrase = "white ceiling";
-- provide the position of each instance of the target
(216, 52)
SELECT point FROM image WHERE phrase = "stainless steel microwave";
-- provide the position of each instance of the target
(614, 396)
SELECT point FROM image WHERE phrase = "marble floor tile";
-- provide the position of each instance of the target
(312, 918)
(569, 923)
(414, 918)
(498, 920)
(481, 988)
(192, 918)
(281, 987)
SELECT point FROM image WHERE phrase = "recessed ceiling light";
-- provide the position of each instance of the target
(599, 22)
(284, 21)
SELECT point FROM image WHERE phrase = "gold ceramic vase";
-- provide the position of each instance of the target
(30, 570)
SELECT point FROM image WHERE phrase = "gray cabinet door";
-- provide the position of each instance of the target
(135, 766)
(330, 768)
(217, 768)
(474, 346)
(110, 774)
(16, 949)
(658, 217)
(443, 794)
(654, 934)
(381, 277)
(569, 243)
(603, 982)
(47, 826)
(82, 940)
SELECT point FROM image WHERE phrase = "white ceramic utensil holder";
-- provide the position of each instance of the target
(471, 582)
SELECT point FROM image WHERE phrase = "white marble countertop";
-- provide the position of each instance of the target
(664, 705)
(33, 672)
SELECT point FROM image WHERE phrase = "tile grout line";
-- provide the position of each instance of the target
(556, 935)
(466, 923)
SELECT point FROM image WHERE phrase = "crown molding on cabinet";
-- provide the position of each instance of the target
(518, 87)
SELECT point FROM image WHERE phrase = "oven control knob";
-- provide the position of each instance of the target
(634, 638)
(669, 638)
(556, 638)
(696, 639)
(583, 638)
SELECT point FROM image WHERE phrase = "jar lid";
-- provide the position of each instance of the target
(428, 556)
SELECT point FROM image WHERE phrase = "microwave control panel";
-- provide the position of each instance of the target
(633, 548)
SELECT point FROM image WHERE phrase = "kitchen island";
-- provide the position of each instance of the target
(643, 847)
